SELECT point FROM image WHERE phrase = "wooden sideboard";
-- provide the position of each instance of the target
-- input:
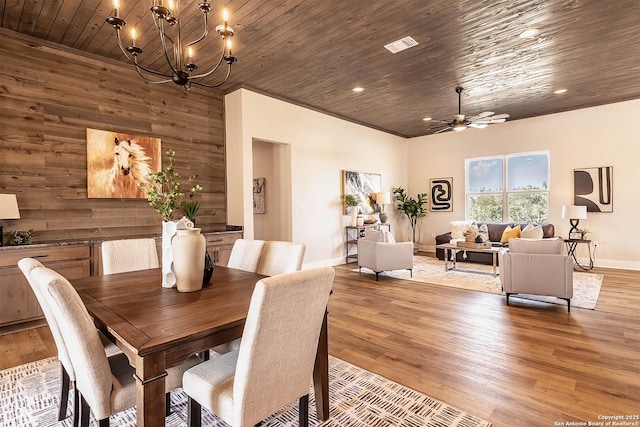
(19, 308)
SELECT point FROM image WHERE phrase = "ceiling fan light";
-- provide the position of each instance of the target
(459, 127)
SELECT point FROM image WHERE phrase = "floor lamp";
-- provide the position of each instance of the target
(575, 214)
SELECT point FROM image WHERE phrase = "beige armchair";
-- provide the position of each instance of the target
(537, 267)
(378, 251)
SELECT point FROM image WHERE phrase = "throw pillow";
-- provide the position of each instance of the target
(510, 232)
(458, 228)
(483, 231)
(532, 232)
(388, 237)
(374, 235)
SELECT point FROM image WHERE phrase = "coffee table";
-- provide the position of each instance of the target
(455, 249)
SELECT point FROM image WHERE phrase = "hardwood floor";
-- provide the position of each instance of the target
(527, 364)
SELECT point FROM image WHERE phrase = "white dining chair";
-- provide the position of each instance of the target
(105, 385)
(274, 364)
(120, 256)
(245, 254)
(280, 257)
(276, 258)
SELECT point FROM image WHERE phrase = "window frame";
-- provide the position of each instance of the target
(505, 193)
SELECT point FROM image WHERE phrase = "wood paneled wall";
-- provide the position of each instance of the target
(50, 95)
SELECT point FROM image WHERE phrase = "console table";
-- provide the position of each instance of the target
(572, 245)
(352, 234)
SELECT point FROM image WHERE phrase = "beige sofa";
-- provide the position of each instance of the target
(537, 267)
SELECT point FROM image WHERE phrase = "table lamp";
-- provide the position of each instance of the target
(8, 209)
(575, 214)
(382, 199)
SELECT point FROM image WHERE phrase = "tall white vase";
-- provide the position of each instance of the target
(354, 216)
(169, 229)
(189, 247)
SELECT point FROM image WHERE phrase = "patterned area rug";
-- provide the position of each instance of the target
(586, 286)
(358, 398)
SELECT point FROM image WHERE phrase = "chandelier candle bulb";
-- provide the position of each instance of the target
(229, 46)
(133, 36)
(116, 6)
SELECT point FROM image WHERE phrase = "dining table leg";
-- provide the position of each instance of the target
(321, 373)
(150, 390)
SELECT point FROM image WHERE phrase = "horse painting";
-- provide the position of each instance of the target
(119, 171)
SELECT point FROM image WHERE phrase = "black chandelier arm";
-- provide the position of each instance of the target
(163, 38)
(204, 33)
(147, 79)
(134, 61)
(214, 69)
(217, 84)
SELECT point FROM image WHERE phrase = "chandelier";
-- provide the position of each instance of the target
(179, 56)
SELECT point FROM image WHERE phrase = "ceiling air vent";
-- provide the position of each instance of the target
(401, 44)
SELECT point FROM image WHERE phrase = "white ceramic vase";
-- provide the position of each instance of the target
(189, 248)
(354, 216)
(169, 229)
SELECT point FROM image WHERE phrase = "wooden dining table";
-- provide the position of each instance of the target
(158, 328)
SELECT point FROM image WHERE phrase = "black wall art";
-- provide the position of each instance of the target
(593, 188)
(442, 194)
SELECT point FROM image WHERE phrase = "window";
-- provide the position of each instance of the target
(512, 188)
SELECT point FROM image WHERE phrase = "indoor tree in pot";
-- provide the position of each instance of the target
(164, 193)
(414, 209)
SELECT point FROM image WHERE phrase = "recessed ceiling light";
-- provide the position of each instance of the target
(426, 119)
(529, 33)
(559, 91)
(358, 89)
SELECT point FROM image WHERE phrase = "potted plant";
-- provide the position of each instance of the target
(352, 201)
(414, 209)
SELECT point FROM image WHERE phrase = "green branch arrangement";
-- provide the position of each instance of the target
(164, 191)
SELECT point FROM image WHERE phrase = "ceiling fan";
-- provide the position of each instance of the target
(479, 121)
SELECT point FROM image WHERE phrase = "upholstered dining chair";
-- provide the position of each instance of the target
(274, 364)
(105, 385)
(280, 257)
(277, 258)
(67, 374)
(120, 256)
(245, 254)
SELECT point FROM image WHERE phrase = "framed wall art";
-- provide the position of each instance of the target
(258, 196)
(441, 194)
(117, 162)
(363, 185)
(593, 188)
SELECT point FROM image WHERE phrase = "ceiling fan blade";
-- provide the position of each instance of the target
(481, 115)
(439, 121)
(478, 125)
(497, 121)
(443, 130)
(501, 116)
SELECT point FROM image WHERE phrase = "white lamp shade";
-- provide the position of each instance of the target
(383, 198)
(9, 207)
(574, 212)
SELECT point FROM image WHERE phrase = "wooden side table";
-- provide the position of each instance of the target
(572, 245)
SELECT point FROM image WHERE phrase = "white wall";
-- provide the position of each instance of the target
(598, 136)
(321, 148)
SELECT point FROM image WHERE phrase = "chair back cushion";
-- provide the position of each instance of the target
(93, 374)
(120, 256)
(245, 254)
(279, 342)
(280, 257)
(544, 246)
(27, 265)
(373, 235)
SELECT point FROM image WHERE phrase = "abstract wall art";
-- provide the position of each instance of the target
(118, 162)
(363, 185)
(593, 188)
(258, 196)
(442, 194)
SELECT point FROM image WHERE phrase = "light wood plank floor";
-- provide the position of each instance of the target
(528, 364)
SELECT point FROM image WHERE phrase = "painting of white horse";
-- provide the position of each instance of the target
(117, 163)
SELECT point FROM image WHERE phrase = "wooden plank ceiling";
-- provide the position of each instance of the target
(313, 53)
